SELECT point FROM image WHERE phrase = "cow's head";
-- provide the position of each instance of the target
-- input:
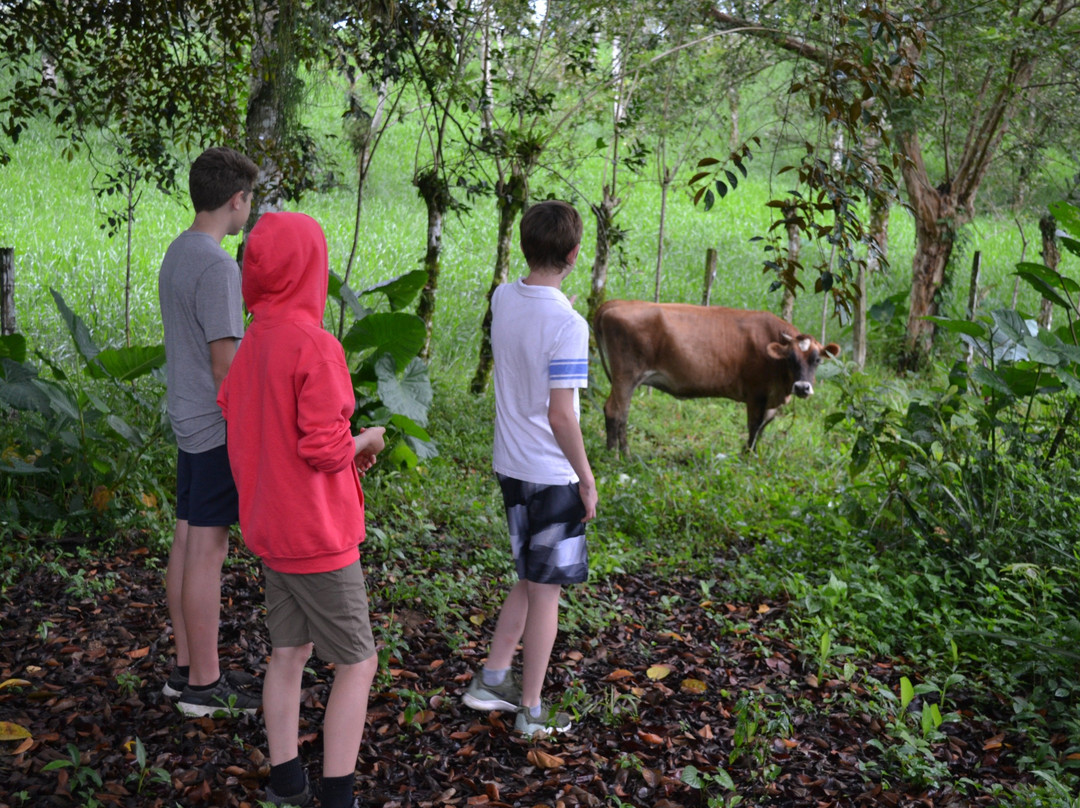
(803, 355)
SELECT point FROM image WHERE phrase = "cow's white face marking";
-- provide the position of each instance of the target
(804, 344)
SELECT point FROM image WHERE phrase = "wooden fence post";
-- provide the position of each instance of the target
(7, 290)
(710, 275)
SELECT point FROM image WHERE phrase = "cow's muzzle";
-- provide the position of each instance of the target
(803, 389)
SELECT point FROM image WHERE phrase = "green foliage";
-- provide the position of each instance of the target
(391, 382)
(69, 453)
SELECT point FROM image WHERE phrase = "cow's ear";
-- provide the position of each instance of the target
(777, 351)
(832, 349)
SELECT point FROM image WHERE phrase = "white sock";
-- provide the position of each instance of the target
(494, 678)
(534, 712)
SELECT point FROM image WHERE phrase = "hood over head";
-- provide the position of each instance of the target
(286, 268)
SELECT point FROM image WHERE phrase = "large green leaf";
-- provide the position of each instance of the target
(402, 290)
(79, 332)
(410, 394)
(972, 329)
(985, 376)
(340, 290)
(25, 395)
(125, 364)
(397, 333)
(409, 427)
(1047, 282)
(1039, 351)
(1068, 216)
(60, 400)
(13, 346)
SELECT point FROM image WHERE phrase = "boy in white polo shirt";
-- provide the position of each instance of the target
(541, 352)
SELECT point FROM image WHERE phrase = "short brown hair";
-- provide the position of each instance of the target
(549, 231)
(217, 174)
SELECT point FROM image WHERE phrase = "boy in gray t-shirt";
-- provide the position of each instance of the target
(201, 311)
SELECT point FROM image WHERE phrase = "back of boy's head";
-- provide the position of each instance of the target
(217, 174)
(549, 231)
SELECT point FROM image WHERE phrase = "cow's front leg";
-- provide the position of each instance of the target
(616, 412)
(757, 416)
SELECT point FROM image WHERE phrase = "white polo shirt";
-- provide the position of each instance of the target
(538, 342)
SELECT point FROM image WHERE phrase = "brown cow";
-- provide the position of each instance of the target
(701, 351)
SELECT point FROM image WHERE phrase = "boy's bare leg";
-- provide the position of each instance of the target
(541, 627)
(281, 701)
(174, 589)
(206, 548)
(510, 627)
(346, 712)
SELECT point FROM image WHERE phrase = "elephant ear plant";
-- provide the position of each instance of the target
(74, 445)
(390, 380)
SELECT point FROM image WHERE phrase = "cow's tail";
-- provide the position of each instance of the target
(598, 334)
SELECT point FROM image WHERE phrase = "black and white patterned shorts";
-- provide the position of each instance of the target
(546, 531)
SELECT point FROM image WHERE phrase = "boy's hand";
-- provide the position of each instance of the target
(369, 442)
(589, 497)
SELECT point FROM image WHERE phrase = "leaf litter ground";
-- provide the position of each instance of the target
(671, 686)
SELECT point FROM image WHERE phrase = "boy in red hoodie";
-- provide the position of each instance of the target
(287, 401)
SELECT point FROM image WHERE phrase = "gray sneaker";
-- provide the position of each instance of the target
(224, 697)
(506, 696)
(548, 722)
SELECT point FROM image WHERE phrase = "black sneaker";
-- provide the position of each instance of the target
(301, 800)
(175, 684)
(223, 697)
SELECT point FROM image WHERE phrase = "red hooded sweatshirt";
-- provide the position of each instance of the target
(287, 401)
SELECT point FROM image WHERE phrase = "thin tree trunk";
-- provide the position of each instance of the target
(710, 275)
(858, 323)
(604, 213)
(1051, 257)
(733, 101)
(787, 304)
(511, 197)
(7, 291)
(664, 185)
(436, 198)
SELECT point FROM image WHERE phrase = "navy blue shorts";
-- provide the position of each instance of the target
(205, 491)
(546, 531)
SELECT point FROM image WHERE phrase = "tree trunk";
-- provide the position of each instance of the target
(733, 103)
(605, 217)
(937, 215)
(511, 196)
(934, 247)
(1051, 257)
(436, 198)
(787, 304)
(272, 101)
(7, 291)
(858, 322)
(710, 275)
(665, 183)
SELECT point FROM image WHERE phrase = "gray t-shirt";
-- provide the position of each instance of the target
(199, 292)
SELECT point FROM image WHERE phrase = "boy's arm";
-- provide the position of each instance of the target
(369, 442)
(567, 431)
(222, 352)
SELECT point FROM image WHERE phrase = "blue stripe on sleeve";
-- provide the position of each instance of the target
(568, 369)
